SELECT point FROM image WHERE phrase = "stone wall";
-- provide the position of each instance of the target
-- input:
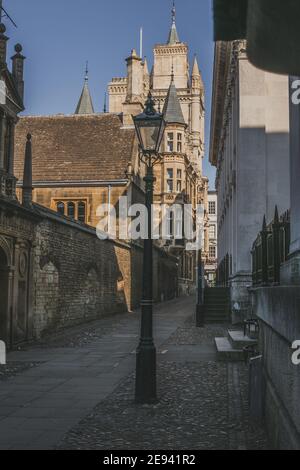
(79, 278)
(278, 310)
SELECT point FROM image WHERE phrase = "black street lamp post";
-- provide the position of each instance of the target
(150, 127)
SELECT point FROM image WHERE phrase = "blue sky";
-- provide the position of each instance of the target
(59, 36)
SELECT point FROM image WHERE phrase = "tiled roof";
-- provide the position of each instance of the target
(75, 148)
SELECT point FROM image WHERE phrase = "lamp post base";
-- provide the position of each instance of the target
(199, 316)
(145, 384)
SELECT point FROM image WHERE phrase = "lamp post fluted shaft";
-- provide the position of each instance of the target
(145, 391)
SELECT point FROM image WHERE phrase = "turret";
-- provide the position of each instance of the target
(135, 88)
(135, 75)
(197, 122)
(18, 69)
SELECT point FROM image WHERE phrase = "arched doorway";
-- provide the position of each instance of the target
(4, 321)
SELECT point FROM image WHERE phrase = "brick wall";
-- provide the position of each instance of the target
(78, 278)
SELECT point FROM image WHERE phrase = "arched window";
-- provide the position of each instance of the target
(60, 206)
(81, 211)
(71, 210)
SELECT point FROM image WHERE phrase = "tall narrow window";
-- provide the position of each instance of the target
(179, 181)
(71, 210)
(212, 252)
(81, 211)
(170, 142)
(212, 231)
(212, 207)
(60, 206)
(179, 142)
(170, 218)
(170, 180)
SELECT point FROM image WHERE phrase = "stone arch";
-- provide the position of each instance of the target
(91, 293)
(47, 298)
(44, 260)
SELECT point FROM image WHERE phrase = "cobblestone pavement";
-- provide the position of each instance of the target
(202, 404)
(80, 394)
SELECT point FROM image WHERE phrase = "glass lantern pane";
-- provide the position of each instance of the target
(149, 134)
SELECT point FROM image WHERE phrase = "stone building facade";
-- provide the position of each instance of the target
(211, 265)
(180, 93)
(277, 308)
(250, 148)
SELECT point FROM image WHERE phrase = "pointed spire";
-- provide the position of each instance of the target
(172, 108)
(173, 35)
(196, 70)
(264, 226)
(27, 177)
(85, 104)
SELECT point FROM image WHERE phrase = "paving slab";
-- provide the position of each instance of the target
(40, 405)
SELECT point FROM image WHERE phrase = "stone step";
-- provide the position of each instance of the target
(225, 351)
(223, 319)
(216, 302)
(216, 308)
(239, 341)
(215, 296)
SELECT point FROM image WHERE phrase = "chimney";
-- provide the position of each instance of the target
(18, 69)
(135, 75)
(3, 43)
(27, 178)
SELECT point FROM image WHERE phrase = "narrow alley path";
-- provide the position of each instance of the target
(76, 390)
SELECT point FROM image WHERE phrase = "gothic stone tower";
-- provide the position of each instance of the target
(179, 91)
(128, 94)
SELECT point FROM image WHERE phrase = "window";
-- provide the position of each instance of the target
(170, 218)
(179, 142)
(179, 181)
(170, 142)
(212, 231)
(81, 211)
(71, 210)
(76, 210)
(60, 206)
(170, 180)
(212, 252)
(212, 207)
